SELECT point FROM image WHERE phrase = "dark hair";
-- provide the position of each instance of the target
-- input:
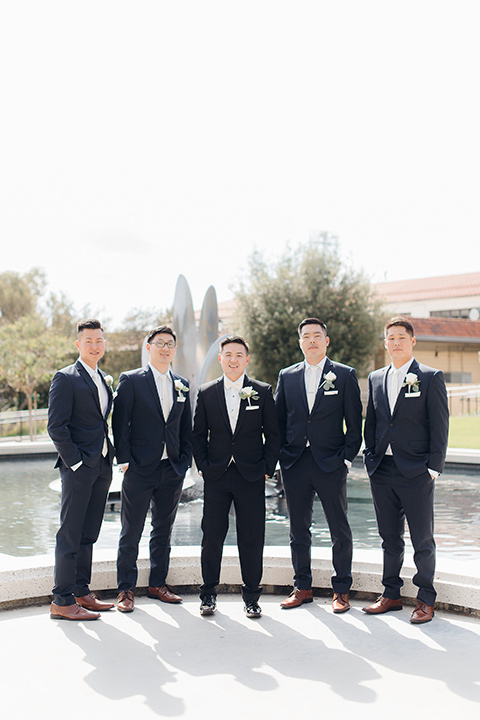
(160, 329)
(90, 324)
(311, 321)
(234, 339)
(402, 321)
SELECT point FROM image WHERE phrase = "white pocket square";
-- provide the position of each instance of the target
(331, 392)
(417, 394)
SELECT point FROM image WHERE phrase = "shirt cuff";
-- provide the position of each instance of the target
(76, 466)
(348, 463)
(433, 473)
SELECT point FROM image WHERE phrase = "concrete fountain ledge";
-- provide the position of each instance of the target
(25, 581)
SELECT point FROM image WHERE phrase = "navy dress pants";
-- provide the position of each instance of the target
(84, 494)
(301, 482)
(397, 498)
(161, 492)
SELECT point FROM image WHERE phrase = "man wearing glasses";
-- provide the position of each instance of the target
(152, 428)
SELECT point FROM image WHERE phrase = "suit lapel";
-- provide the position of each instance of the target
(385, 389)
(221, 400)
(401, 394)
(299, 374)
(109, 392)
(243, 405)
(153, 389)
(92, 386)
(175, 405)
(327, 366)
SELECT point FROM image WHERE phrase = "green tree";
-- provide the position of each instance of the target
(19, 294)
(30, 353)
(306, 282)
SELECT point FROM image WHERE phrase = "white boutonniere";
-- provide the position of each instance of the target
(108, 381)
(412, 382)
(249, 394)
(328, 381)
(180, 388)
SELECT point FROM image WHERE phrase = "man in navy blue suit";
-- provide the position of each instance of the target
(406, 434)
(320, 416)
(79, 404)
(152, 429)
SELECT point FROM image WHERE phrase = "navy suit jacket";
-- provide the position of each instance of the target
(141, 432)
(417, 430)
(75, 421)
(254, 445)
(333, 411)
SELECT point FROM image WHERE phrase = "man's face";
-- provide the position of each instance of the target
(234, 360)
(91, 346)
(162, 356)
(313, 343)
(399, 345)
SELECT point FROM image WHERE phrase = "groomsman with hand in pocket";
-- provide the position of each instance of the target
(320, 416)
(406, 434)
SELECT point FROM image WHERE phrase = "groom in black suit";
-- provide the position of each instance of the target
(235, 445)
(79, 404)
(406, 434)
(152, 430)
(320, 417)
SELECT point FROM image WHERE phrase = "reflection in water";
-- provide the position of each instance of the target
(29, 512)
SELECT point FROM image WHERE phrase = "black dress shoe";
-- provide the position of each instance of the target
(208, 605)
(253, 609)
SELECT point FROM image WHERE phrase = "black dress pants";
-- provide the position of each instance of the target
(249, 502)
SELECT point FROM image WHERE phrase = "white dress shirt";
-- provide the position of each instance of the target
(395, 380)
(313, 375)
(164, 385)
(103, 399)
(232, 399)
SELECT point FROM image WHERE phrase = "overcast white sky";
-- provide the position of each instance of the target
(140, 140)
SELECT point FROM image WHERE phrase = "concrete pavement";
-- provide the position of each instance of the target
(167, 661)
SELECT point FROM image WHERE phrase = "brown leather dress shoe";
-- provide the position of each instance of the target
(125, 601)
(71, 612)
(296, 598)
(383, 605)
(423, 613)
(90, 602)
(164, 594)
(340, 603)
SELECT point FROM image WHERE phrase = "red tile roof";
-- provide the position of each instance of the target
(444, 286)
(446, 327)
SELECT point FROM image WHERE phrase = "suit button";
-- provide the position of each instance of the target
(308, 422)
(390, 424)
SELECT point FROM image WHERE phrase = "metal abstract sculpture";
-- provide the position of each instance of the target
(197, 350)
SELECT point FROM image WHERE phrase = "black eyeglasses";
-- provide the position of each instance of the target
(170, 344)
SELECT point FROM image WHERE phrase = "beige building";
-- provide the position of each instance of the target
(449, 296)
(445, 312)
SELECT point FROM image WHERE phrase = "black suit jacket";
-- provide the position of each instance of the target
(141, 432)
(75, 421)
(254, 445)
(324, 427)
(417, 430)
